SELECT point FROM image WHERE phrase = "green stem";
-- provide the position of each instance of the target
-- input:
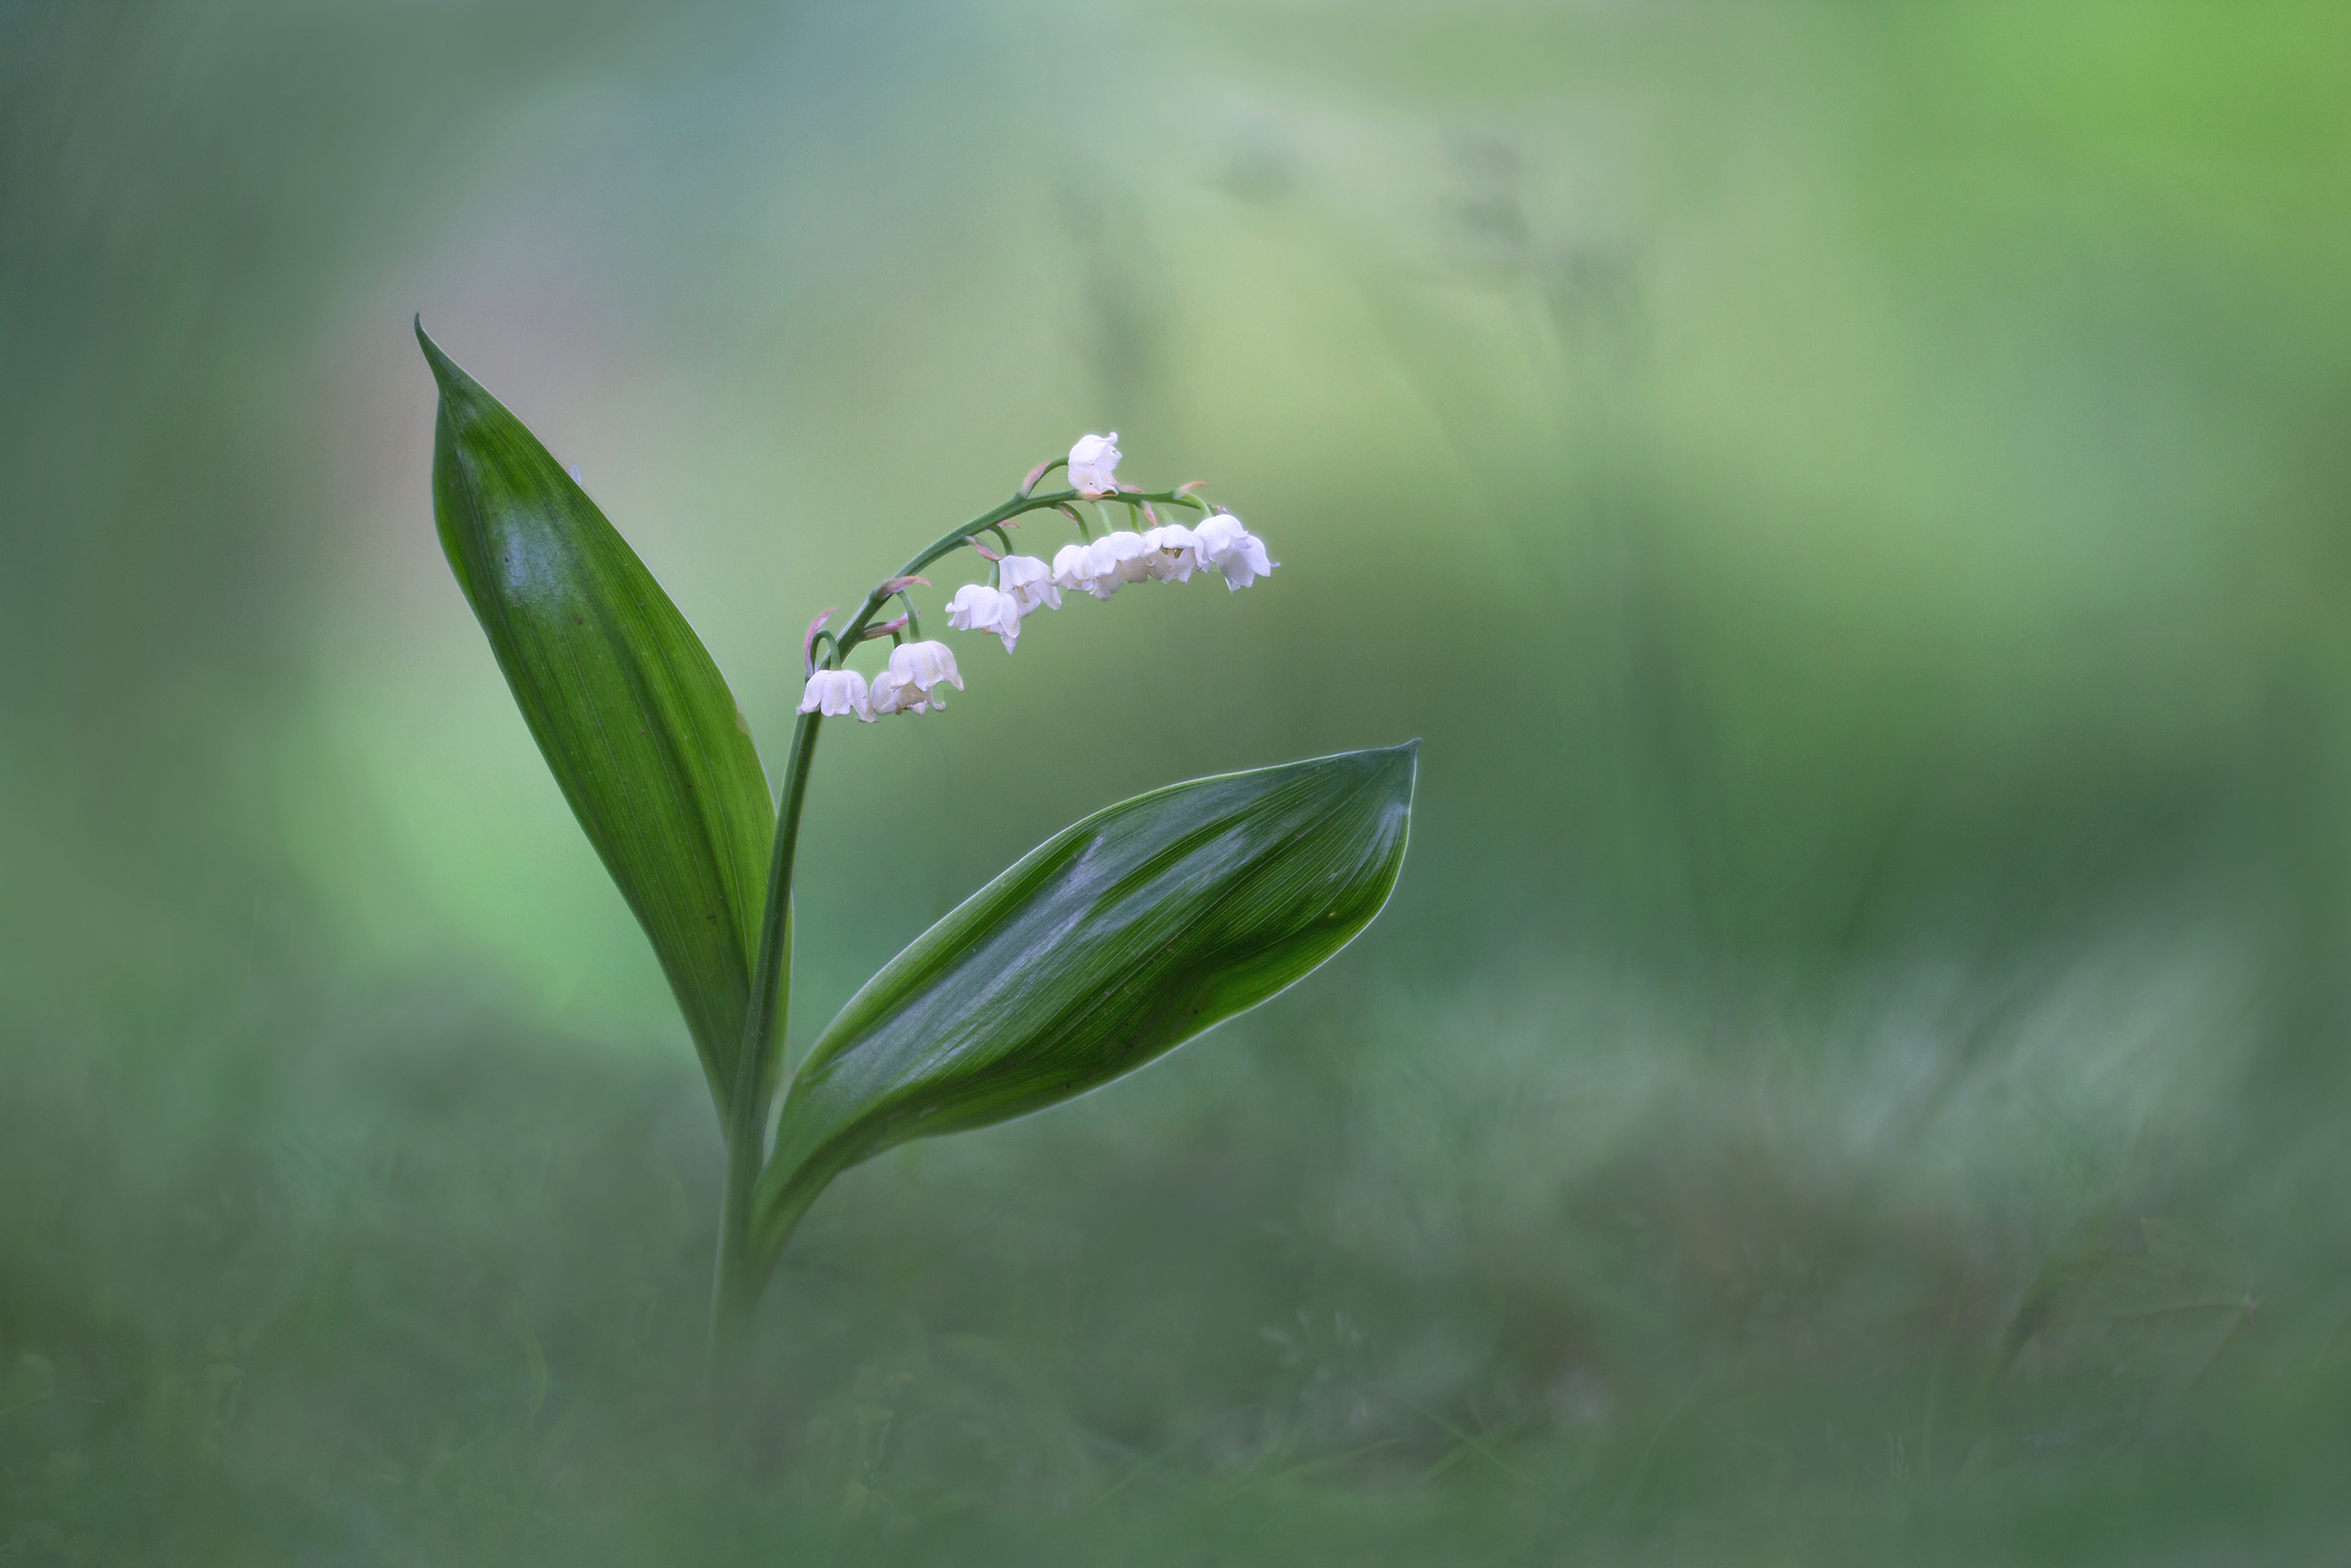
(743, 1262)
(736, 1290)
(953, 539)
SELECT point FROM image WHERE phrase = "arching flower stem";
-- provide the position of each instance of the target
(985, 522)
(760, 1061)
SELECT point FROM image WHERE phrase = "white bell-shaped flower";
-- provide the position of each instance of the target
(911, 683)
(1073, 570)
(891, 694)
(1091, 567)
(1093, 466)
(926, 666)
(1120, 558)
(1172, 552)
(977, 606)
(1232, 549)
(895, 694)
(1029, 581)
(837, 693)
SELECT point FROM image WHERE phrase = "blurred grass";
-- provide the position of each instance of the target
(1852, 495)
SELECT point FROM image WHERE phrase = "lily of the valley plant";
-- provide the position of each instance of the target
(1110, 944)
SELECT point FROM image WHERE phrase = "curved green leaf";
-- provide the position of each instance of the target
(1110, 944)
(630, 712)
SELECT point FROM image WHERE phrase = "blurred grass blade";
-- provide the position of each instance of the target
(626, 706)
(1111, 943)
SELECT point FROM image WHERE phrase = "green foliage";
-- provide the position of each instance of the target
(1107, 945)
(632, 716)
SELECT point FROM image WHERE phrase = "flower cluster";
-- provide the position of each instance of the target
(911, 685)
(1166, 552)
(1169, 553)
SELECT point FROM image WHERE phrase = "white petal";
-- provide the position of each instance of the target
(1173, 552)
(1094, 465)
(1029, 582)
(979, 608)
(1004, 620)
(971, 606)
(1071, 569)
(1232, 549)
(837, 693)
(1216, 533)
(1102, 567)
(891, 694)
(1122, 555)
(923, 666)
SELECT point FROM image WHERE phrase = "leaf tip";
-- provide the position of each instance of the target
(1393, 771)
(445, 372)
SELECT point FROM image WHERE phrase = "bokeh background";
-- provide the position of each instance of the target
(1854, 498)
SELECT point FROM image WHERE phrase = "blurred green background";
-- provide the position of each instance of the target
(1853, 496)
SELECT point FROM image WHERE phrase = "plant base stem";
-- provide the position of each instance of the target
(737, 1278)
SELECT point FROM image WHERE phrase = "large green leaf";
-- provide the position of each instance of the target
(1107, 945)
(624, 702)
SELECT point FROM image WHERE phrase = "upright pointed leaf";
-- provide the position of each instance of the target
(1107, 945)
(626, 706)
